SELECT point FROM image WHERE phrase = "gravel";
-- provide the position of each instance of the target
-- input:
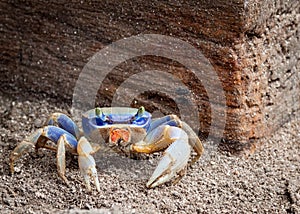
(264, 182)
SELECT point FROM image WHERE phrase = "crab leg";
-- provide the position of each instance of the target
(175, 158)
(87, 163)
(38, 140)
(194, 141)
(62, 143)
(24, 147)
(64, 122)
(171, 120)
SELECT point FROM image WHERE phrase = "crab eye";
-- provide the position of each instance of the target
(140, 112)
(101, 118)
(138, 117)
(98, 112)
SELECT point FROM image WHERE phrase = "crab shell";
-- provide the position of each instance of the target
(117, 127)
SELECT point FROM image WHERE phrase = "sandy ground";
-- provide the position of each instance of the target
(266, 182)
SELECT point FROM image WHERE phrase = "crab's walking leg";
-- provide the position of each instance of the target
(62, 143)
(64, 122)
(194, 141)
(171, 120)
(38, 140)
(175, 158)
(25, 146)
(87, 163)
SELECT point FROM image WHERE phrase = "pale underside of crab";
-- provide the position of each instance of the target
(129, 131)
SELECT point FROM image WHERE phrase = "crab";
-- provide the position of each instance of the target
(129, 131)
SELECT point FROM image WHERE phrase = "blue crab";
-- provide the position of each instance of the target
(126, 130)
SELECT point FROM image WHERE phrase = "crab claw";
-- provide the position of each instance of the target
(87, 163)
(173, 163)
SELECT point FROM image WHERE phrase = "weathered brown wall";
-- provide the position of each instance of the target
(272, 49)
(253, 45)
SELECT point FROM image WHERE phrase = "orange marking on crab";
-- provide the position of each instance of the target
(118, 134)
